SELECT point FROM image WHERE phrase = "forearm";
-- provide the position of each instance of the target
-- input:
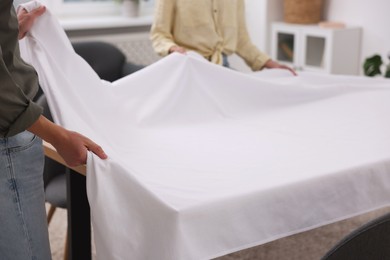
(47, 130)
(245, 47)
(72, 146)
(162, 27)
(255, 59)
(161, 43)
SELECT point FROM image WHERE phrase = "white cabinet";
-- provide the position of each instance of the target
(312, 48)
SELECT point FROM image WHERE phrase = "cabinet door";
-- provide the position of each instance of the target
(316, 50)
(285, 45)
(312, 48)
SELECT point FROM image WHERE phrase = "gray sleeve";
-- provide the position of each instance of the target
(18, 81)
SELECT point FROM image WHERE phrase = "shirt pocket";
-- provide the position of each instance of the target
(194, 13)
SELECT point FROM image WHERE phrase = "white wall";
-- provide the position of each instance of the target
(255, 12)
(372, 15)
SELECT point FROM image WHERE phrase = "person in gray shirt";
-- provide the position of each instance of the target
(23, 227)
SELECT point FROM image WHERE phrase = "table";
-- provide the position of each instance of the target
(214, 159)
(79, 223)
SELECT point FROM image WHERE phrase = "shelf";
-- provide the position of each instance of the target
(310, 47)
(104, 22)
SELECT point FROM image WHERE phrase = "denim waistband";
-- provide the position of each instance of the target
(225, 61)
(16, 140)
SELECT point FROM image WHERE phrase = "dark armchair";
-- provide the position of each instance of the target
(106, 60)
(370, 241)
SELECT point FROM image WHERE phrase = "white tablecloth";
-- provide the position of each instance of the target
(204, 160)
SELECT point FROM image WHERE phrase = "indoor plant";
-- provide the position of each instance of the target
(372, 66)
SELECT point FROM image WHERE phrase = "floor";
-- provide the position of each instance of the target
(57, 234)
(305, 246)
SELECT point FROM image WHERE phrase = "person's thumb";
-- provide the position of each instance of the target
(38, 11)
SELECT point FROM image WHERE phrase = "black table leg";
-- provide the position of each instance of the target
(79, 221)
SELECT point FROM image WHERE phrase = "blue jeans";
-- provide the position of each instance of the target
(225, 61)
(23, 225)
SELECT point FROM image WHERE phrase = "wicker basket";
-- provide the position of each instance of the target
(303, 11)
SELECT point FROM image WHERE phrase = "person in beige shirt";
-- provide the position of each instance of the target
(213, 28)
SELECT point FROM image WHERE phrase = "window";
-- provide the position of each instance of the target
(83, 8)
(67, 8)
(87, 0)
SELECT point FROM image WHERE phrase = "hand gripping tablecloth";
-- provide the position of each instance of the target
(204, 160)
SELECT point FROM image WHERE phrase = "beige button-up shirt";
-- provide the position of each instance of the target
(209, 27)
